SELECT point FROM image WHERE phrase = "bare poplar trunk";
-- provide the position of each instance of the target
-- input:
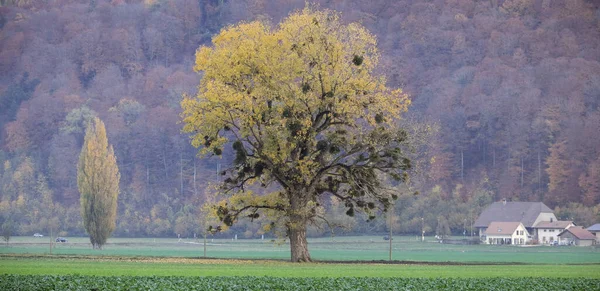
(539, 170)
(522, 173)
(165, 163)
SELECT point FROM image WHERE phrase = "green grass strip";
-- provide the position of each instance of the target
(100, 266)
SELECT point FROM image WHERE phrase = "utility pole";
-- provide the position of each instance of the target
(471, 218)
(50, 240)
(462, 165)
(391, 221)
(422, 229)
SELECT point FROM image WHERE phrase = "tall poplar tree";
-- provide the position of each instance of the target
(306, 117)
(98, 181)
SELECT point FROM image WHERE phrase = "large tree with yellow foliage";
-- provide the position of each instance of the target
(98, 181)
(306, 117)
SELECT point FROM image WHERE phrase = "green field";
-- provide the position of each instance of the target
(343, 263)
(322, 249)
(129, 266)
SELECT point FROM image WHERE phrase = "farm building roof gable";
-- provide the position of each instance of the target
(559, 224)
(579, 233)
(524, 212)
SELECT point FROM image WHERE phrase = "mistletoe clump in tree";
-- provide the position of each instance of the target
(304, 114)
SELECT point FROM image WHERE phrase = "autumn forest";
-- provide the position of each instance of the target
(505, 103)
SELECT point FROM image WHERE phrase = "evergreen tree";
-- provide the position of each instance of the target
(98, 181)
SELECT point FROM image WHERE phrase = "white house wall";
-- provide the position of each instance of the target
(548, 235)
(516, 238)
(519, 237)
(493, 239)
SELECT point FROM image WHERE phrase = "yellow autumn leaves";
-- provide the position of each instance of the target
(98, 182)
(295, 100)
(257, 80)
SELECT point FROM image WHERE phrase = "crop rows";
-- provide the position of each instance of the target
(77, 282)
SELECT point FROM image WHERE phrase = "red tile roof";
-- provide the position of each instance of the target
(579, 233)
(502, 228)
(555, 224)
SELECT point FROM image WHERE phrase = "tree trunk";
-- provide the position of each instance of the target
(298, 243)
(297, 228)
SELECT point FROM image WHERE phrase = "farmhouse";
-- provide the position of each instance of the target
(547, 231)
(578, 236)
(595, 229)
(527, 213)
(506, 233)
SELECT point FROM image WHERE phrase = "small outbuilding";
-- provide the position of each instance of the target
(578, 236)
(595, 229)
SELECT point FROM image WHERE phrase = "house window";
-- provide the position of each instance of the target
(544, 230)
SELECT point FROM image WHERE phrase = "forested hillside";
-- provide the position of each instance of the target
(513, 87)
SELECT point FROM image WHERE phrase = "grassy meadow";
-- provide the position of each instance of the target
(130, 266)
(357, 248)
(342, 263)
